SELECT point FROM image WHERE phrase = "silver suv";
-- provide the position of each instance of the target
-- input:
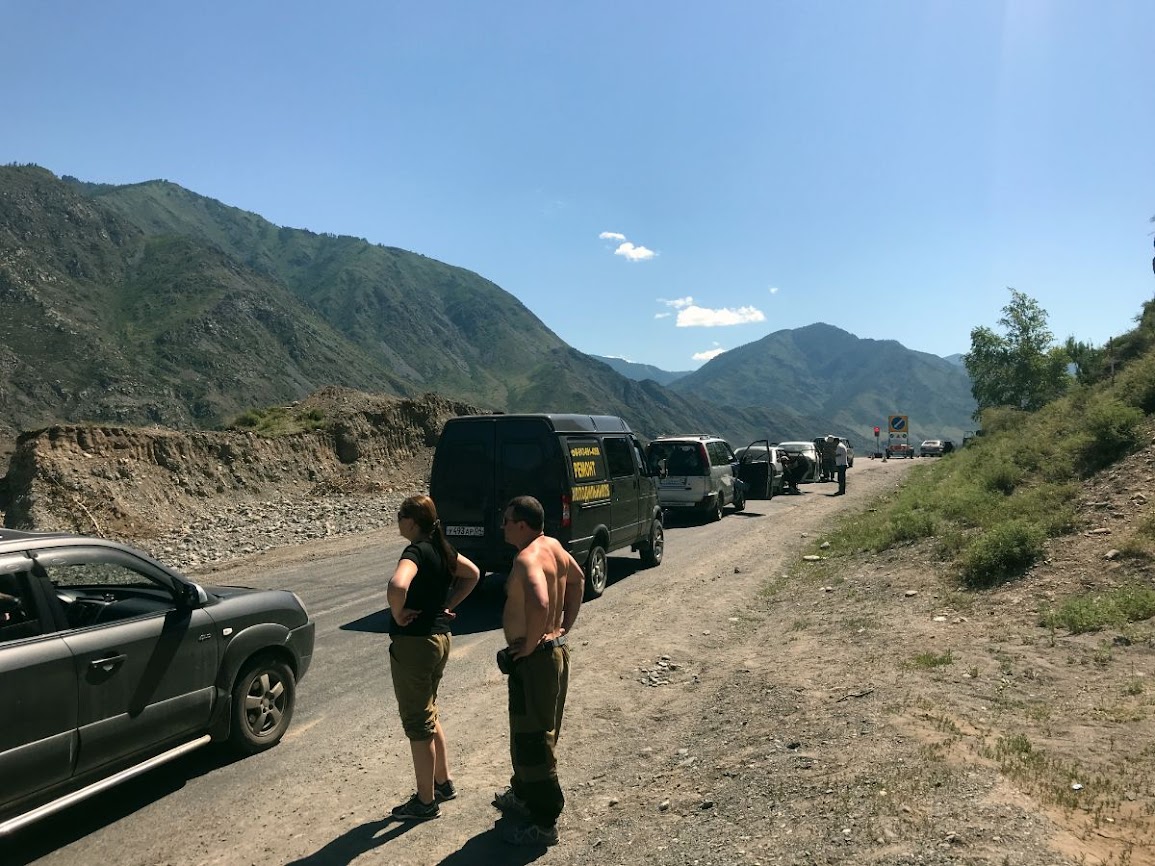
(696, 474)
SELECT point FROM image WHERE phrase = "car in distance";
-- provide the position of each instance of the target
(931, 448)
(696, 473)
(900, 449)
(112, 663)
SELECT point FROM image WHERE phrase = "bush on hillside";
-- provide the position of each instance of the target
(1001, 554)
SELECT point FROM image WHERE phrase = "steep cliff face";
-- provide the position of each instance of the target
(142, 482)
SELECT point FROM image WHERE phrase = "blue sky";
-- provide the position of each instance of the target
(657, 181)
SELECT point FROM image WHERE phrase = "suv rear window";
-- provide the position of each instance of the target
(681, 458)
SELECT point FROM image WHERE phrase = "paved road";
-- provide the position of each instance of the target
(344, 755)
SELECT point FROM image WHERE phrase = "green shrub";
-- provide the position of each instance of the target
(1136, 384)
(1000, 476)
(1001, 553)
(1110, 430)
(1087, 613)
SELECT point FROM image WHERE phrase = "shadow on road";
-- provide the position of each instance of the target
(489, 847)
(73, 824)
(349, 846)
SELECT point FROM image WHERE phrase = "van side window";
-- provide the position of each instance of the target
(717, 452)
(621, 462)
(586, 460)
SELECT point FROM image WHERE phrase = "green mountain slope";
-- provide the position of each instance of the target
(825, 372)
(149, 303)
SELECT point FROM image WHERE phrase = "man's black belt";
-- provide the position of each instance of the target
(553, 642)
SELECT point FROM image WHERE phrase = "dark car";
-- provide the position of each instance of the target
(112, 663)
(588, 472)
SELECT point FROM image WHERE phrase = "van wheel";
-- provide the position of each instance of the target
(653, 549)
(596, 572)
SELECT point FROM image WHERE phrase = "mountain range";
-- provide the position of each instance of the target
(150, 304)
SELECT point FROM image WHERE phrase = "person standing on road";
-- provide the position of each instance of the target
(543, 597)
(840, 466)
(430, 580)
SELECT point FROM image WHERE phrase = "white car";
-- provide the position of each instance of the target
(931, 448)
(696, 474)
(813, 461)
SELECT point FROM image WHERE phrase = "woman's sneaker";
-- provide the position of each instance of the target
(511, 804)
(443, 791)
(414, 810)
(532, 835)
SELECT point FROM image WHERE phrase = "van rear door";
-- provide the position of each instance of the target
(462, 487)
(529, 463)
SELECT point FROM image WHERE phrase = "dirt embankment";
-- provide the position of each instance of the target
(140, 483)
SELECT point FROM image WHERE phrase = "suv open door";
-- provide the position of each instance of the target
(755, 469)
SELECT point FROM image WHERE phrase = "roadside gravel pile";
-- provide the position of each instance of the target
(239, 530)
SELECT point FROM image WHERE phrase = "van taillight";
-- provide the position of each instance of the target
(565, 518)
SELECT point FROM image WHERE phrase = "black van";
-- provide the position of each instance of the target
(588, 472)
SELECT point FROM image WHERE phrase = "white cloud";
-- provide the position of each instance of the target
(708, 355)
(773, 290)
(612, 236)
(662, 315)
(633, 253)
(677, 303)
(700, 317)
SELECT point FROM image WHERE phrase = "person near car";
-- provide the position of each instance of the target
(430, 580)
(840, 466)
(543, 597)
(793, 468)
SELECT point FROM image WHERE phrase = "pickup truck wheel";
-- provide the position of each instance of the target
(653, 549)
(597, 572)
(263, 699)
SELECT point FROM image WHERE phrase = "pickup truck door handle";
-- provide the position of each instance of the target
(107, 663)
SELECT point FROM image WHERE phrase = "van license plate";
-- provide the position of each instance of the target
(465, 530)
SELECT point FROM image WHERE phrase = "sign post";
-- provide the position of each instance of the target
(898, 435)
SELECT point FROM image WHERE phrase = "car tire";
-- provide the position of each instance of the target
(263, 699)
(770, 483)
(654, 547)
(739, 502)
(717, 510)
(597, 572)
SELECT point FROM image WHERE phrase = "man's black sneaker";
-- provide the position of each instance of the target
(531, 835)
(511, 804)
(443, 791)
(414, 810)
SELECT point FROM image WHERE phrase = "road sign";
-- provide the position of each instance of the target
(898, 423)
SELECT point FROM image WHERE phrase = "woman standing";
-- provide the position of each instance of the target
(430, 580)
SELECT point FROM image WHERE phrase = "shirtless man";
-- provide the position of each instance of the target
(543, 596)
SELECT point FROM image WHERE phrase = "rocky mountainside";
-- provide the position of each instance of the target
(150, 304)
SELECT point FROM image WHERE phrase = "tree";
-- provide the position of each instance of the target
(1021, 368)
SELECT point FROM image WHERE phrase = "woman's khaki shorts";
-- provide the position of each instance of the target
(417, 664)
